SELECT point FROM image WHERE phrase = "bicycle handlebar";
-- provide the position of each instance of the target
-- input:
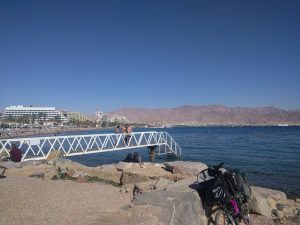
(202, 174)
(218, 166)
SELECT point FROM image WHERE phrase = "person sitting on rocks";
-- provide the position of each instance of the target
(128, 158)
(137, 159)
(15, 154)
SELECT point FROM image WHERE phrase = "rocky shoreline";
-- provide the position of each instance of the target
(152, 194)
(30, 132)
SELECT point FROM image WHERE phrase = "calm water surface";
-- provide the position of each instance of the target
(269, 155)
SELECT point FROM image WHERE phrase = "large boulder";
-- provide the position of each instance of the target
(179, 205)
(290, 210)
(138, 215)
(34, 162)
(10, 164)
(124, 165)
(103, 173)
(137, 174)
(142, 187)
(63, 165)
(291, 215)
(73, 169)
(185, 167)
(132, 178)
(260, 205)
(109, 167)
(270, 193)
(162, 183)
(264, 201)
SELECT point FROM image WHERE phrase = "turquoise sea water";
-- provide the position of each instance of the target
(270, 156)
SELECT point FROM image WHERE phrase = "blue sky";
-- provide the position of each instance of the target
(80, 55)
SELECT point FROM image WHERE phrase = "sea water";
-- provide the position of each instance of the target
(270, 156)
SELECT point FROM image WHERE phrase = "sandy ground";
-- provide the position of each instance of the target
(25, 200)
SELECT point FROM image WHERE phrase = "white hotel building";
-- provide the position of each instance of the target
(48, 113)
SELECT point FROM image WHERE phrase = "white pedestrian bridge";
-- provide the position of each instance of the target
(37, 148)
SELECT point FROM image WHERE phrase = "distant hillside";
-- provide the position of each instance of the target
(212, 114)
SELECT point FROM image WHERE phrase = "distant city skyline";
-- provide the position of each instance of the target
(81, 56)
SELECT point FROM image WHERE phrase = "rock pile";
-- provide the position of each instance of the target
(167, 193)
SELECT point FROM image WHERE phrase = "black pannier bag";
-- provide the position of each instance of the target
(241, 184)
(219, 186)
(213, 188)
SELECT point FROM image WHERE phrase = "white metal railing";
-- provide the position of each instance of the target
(40, 147)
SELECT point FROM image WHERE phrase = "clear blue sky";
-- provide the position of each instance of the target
(80, 55)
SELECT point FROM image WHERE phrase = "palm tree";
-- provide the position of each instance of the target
(39, 116)
(33, 118)
(44, 117)
(11, 119)
(57, 119)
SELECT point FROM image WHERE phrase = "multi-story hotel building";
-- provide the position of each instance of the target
(46, 113)
(75, 115)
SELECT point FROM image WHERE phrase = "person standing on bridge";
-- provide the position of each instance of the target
(118, 130)
(127, 130)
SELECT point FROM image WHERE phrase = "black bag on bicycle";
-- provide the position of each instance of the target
(238, 183)
(213, 188)
(218, 185)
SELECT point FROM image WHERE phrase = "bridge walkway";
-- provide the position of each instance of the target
(37, 148)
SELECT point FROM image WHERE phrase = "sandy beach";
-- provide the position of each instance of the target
(27, 201)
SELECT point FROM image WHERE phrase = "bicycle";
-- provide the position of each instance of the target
(223, 187)
(225, 215)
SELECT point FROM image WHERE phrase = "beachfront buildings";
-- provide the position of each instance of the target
(75, 116)
(45, 114)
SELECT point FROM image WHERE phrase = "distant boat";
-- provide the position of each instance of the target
(166, 126)
(282, 125)
(162, 126)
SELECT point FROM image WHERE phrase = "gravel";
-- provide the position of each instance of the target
(26, 200)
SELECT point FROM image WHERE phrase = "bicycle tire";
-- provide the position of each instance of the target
(246, 219)
(226, 217)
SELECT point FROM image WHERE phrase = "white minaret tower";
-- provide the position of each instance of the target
(98, 117)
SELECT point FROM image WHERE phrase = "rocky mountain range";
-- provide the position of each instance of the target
(209, 115)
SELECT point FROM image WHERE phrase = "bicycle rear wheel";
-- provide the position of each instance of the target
(223, 218)
(246, 219)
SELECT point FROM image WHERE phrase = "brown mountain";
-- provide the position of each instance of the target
(211, 114)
